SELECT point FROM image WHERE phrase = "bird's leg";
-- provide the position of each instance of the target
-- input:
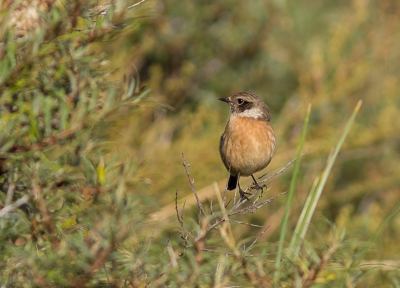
(241, 192)
(257, 186)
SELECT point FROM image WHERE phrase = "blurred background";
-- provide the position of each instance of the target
(291, 53)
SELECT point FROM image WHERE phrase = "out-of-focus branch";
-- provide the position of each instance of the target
(9, 208)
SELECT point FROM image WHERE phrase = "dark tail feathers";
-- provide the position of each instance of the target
(232, 182)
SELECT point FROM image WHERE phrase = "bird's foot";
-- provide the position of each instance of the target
(257, 186)
(243, 195)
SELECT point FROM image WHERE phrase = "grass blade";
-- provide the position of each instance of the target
(312, 200)
(290, 196)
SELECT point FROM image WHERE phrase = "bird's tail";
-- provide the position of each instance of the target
(232, 181)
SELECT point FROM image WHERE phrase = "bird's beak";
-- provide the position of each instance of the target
(224, 99)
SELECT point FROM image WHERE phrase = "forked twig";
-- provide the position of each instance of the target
(252, 208)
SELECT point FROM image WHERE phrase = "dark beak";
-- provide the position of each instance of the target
(224, 99)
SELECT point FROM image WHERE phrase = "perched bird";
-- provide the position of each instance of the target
(248, 142)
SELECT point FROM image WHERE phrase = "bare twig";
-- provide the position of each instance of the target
(103, 9)
(136, 4)
(245, 223)
(280, 171)
(176, 209)
(246, 210)
(258, 237)
(261, 195)
(255, 207)
(252, 208)
(191, 181)
(243, 201)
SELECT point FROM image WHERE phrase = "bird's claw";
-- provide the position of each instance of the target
(243, 195)
(258, 187)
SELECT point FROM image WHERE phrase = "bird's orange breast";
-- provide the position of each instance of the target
(247, 145)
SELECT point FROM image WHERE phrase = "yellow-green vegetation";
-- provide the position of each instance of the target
(99, 99)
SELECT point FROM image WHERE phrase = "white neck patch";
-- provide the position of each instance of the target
(255, 113)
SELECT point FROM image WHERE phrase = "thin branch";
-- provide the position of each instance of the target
(280, 171)
(176, 209)
(245, 223)
(242, 201)
(103, 9)
(9, 208)
(254, 208)
(250, 209)
(261, 194)
(136, 4)
(191, 181)
(255, 240)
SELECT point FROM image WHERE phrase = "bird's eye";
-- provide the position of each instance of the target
(240, 101)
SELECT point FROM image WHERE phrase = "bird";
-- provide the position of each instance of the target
(248, 142)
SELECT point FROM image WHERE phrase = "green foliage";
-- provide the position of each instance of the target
(64, 211)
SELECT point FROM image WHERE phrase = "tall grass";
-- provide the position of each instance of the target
(291, 195)
(317, 188)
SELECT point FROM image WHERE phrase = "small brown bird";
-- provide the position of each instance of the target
(248, 142)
